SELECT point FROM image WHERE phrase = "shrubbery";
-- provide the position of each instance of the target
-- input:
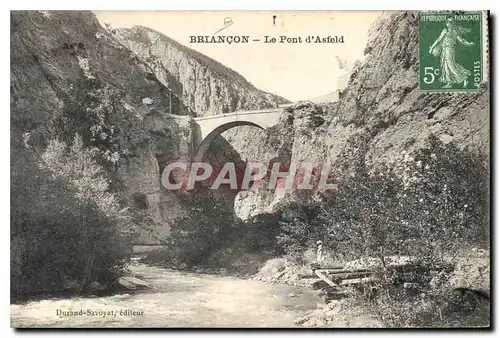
(430, 206)
(433, 203)
(209, 236)
(66, 228)
(200, 232)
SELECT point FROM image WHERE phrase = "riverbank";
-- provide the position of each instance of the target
(175, 299)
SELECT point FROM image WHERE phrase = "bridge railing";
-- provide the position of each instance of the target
(241, 113)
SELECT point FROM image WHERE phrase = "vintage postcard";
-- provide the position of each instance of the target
(250, 169)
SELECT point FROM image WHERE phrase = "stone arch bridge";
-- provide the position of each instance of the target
(207, 128)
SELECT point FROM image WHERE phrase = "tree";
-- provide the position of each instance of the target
(201, 232)
(447, 193)
(299, 227)
(77, 167)
(427, 205)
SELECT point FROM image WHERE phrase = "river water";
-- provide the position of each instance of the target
(176, 299)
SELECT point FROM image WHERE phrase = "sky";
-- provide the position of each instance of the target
(296, 71)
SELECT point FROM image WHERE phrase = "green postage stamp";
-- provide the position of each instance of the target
(453, 50)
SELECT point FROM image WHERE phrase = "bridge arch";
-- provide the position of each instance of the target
(207, 128)
(207, 141)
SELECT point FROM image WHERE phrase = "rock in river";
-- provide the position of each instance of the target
(133, 283)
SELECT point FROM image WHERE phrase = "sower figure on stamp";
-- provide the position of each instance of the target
(444, 47)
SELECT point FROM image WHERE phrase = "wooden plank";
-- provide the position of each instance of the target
(336, 271)
(356, 281)
(331, 267)
(350, 275)
(324, 278)
(307, 276)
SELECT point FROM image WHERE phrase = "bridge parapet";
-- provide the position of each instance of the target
(240, 113)
(264, 118)
(209, 127)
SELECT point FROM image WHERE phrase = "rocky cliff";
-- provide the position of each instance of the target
(65, 68)
(58, 58)
(381, 114)
(205, 85)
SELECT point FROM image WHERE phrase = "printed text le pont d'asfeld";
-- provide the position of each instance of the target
(230, 39)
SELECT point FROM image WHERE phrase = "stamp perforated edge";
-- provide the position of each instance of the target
(484, 54)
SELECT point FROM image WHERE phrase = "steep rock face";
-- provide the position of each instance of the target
(205, 85)
(170, 139)
(381, 113)
(51, 51)
(383, 98)
(59, 57)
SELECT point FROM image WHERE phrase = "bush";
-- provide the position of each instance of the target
(428, 205)
(209, 236)
(67, 225)
(66, 228)
(299, 227)
(201, 232)
(433, 304)
(447, 194)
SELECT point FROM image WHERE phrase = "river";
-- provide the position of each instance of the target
(176, 299)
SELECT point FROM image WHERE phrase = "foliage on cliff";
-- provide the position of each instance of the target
(432, 208)
(379, 118)
(435, 202)
(67, 229)
(208, 236)
(80, 107)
